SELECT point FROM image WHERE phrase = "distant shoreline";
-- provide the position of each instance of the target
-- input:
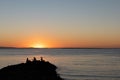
(52, 48)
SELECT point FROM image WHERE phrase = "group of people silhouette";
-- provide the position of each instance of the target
(35, 60)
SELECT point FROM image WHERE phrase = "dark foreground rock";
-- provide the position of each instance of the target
(31, 70)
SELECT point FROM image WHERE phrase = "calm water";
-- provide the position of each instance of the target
(73, 64)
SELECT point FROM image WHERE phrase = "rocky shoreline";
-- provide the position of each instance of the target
(30, 70)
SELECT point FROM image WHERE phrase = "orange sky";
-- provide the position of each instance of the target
(53, 43)
(56, 23)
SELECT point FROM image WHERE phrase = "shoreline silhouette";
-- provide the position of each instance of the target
(30, 70)
(2, 47)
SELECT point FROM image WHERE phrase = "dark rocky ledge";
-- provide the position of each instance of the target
(31, 70)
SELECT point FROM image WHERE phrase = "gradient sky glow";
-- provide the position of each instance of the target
(60, 23)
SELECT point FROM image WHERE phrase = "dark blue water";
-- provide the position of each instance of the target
(73, 64)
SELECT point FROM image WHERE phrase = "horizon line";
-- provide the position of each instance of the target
(2, 47)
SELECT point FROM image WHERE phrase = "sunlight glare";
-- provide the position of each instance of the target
(38, 46)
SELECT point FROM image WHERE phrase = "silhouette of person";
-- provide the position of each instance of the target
(27, 60)
(34, 59)
(41, 59)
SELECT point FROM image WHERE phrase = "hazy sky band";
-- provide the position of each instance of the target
(60, 23)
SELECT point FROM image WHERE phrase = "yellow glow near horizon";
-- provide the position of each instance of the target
(38, 46)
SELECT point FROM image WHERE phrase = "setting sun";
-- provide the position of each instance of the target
(38, 46)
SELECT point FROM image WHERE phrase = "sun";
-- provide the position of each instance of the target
(38, 46)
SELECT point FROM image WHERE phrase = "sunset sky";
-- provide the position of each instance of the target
(60, 23)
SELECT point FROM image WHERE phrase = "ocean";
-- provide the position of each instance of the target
(73, 64)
